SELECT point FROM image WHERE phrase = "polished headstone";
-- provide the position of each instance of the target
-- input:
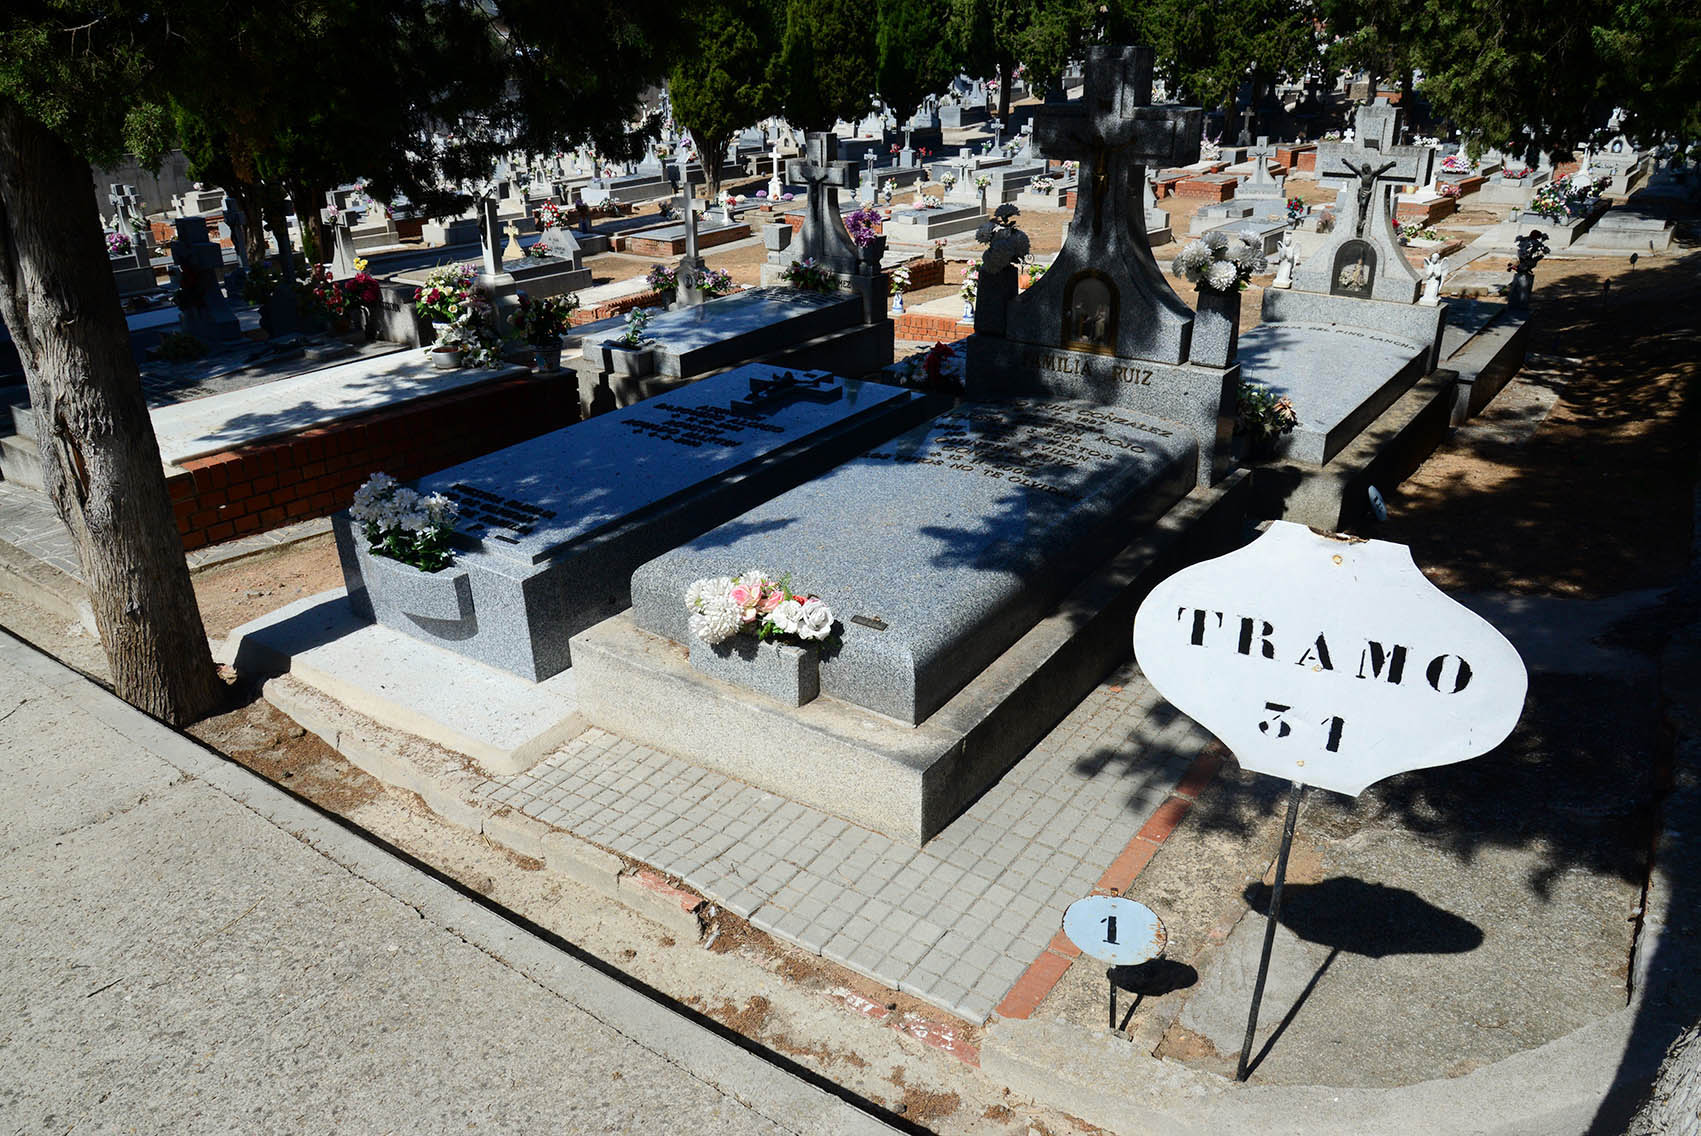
(1103, 323)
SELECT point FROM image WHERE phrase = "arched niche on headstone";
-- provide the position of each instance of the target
(1354, 270)
(1091, 308)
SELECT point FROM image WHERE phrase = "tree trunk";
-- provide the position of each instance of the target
(310, 220)
(1005, 67)
(253, 234)
(709, 155)
(100, 462)
(1674, 1101)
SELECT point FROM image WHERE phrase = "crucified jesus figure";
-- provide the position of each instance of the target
(1367, 179)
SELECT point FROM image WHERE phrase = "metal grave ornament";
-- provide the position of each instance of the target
(1329, 661)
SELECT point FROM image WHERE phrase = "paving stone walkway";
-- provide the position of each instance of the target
(955, 923)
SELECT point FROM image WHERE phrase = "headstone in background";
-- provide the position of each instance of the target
(1261, 186)
(1362, 258)
(1103, 323)
(823, 237)
(198, 265)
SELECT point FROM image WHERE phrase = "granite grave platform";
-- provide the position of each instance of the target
(984, 566)
(551, 529)
(980, 565)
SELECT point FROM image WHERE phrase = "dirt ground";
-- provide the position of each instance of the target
(1598, 500)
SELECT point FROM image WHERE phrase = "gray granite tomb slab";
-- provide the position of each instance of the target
(940, 549)
(552, 528)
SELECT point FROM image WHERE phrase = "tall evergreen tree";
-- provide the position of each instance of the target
(825, 69)
(723, 82)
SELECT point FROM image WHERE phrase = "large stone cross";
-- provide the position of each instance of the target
(824, 237)
(688, 290)
(1115, 133)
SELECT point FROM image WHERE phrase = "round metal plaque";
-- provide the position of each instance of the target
(1114, 930)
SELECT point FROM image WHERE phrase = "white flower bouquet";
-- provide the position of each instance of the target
(1219, 263)
(403, 524)
(755, 604)
(901, 279)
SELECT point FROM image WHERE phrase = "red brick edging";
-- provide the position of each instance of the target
(315, 472)
(1045, 971)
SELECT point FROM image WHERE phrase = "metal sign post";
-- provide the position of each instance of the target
(1326, 661)
(1274, 914)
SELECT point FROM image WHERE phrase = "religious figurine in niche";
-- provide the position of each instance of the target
(1089, 314)
(1354, 277)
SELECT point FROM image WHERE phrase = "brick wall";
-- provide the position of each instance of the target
(315, 472)
(620, 307)
(929, 328)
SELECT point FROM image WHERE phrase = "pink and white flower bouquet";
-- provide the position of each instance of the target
(757, 605)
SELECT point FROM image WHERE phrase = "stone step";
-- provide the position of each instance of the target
(20, 461)
(15, 416)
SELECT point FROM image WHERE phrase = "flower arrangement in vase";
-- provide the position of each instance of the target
(900, 277)
(552, 216)
(404, 525)
(760, 606)
(637, 320)
(810, 276)
(1263, 416)
(1219, 263)
(117, 244)
(863, 226)
(444, 294)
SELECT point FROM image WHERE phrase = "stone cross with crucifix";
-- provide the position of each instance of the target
(824, 237)
(1363, 259)
(1115, 133)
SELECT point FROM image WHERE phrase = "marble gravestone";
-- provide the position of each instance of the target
(1261, 186)
(1348, 339)
(1103, 323)
(551, 529)
(939, 550)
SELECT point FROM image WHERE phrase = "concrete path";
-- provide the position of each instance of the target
(187, 949)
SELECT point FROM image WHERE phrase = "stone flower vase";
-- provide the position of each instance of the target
(1518, 292)
(446, 358)
(1216, 328)
(784, 672)
(868, 255)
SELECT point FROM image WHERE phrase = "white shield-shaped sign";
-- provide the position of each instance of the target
(1329, 661)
